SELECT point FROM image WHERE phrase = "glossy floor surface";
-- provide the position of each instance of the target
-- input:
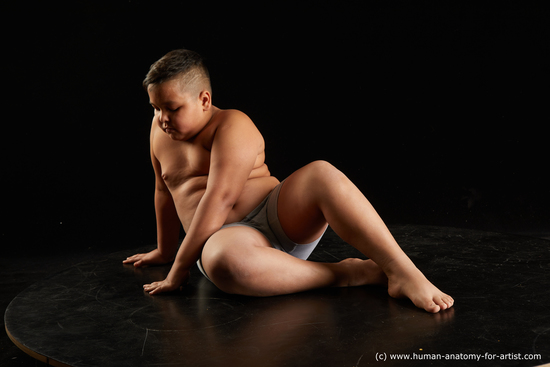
(96, 313)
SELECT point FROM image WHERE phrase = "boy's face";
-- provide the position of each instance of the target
(178, 113)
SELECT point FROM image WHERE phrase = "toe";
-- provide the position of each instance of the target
(439, 301)
(430, 305)
(433, 308)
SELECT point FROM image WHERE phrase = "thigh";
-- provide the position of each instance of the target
(240, 260)
(231, 247)
(298, 206)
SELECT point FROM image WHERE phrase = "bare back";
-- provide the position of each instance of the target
(183, 167)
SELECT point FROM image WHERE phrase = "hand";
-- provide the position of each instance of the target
(152, 258)
(169, 284)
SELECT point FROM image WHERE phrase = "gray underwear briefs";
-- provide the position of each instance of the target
(265, 220)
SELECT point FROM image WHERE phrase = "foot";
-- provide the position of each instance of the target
(361, 272)
(412, 284)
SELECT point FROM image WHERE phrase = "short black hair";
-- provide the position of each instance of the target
(185, 64)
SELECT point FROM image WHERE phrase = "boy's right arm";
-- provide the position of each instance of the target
(168, 225)
(168, 229)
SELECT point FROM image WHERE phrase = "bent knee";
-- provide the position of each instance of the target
(218, 267)
(227, 268)
(320, 165)
(323, 171)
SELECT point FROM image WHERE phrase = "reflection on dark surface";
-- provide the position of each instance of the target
(203, 323)
(97, 314)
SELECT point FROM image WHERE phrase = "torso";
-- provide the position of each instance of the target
(185, 166)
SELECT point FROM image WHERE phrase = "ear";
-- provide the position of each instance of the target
(206, 100)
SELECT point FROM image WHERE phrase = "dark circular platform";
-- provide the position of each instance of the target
(97, 314)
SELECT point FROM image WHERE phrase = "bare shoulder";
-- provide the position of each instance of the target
(233, 118)
(238, 125)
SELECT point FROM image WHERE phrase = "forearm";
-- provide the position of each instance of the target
(209, 217)
(168, 224)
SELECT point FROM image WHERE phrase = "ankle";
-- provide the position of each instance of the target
(341, 274)
(399, 267)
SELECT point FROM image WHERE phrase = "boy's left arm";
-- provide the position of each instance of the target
(234, 152)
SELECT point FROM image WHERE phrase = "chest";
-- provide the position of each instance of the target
(180, 161)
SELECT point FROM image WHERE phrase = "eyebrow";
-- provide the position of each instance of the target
(165, 103)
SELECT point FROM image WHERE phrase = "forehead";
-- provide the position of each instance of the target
(167, 91)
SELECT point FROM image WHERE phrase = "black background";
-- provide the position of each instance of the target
(436, 110)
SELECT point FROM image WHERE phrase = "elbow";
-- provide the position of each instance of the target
(163, 197)
(226, 199)
(162, 192)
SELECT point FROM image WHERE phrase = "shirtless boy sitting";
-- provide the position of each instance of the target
(249, 233)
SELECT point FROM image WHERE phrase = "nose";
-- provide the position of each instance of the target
(163, 118)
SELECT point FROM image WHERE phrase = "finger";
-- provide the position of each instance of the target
(150, 287)
(132, 259)
(140, 264)
(155, 288)
(155, 291)
(147, 287)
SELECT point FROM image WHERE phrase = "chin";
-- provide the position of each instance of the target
(177, 137)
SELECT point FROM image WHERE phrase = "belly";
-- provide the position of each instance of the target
(188, 196)
(255, 190)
